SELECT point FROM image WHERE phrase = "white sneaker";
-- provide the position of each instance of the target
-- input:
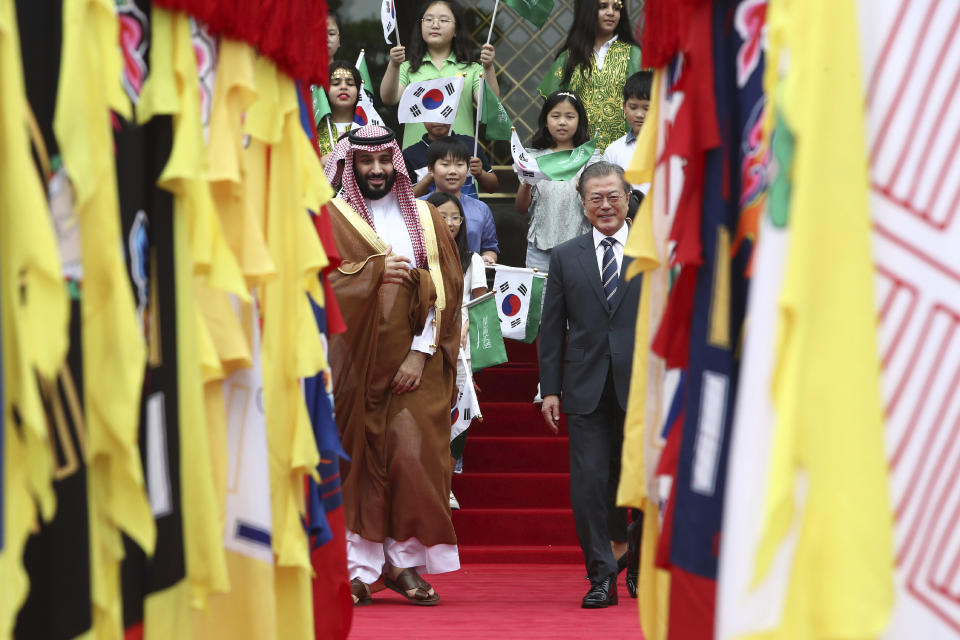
(453, 501)
(537, 399)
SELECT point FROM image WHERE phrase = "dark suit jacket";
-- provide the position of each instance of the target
(581, 336)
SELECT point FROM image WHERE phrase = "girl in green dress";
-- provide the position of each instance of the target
(342, 96)
(595, 61)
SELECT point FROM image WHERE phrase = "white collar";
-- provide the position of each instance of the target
(385, 204)
(601, 55)
(620, 236)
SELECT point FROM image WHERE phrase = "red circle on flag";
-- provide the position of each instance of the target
(432, 99)
(511, 305)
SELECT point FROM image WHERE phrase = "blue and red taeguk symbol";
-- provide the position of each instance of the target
(432, 99)
(360, 117)
(511, 305)
(454, 415)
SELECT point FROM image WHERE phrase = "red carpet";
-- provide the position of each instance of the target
(515, 488)
(484, 601)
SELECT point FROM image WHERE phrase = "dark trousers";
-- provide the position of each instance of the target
(596, 441)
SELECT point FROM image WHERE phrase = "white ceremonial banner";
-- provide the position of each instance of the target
(512, 290)
(431, 101)
(744, 608)
(911, 59)
(524, 164)
(248, 512)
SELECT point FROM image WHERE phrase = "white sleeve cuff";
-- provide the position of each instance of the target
(424, 341)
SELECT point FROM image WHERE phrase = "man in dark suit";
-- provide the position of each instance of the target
(586, 350)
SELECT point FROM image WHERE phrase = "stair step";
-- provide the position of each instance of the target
(508, 384)
(515, 526)
(511, 490)
(520, 554)
(521, 352)
(513, 419)
(495, 454)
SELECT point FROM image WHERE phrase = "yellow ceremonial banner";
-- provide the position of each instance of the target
(641, 246)
(114, 352)
(828, 444)
(291, 342)
(34, 317)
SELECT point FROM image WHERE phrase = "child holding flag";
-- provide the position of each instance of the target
(474, 286)
(556, 214)
(440, 47)
(333, 110)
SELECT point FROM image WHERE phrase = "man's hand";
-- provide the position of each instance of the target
(489, 257)
(396, 269)
(408, 375)
(398, 55)
(551, 412)
(476, 167)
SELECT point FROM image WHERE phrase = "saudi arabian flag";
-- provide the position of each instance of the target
(536, 11)
(494, 116)
(536, 305)
(463, 413)
(563, 165)
(486, 341)
(321, 105)
(365, 80)
(513, 288)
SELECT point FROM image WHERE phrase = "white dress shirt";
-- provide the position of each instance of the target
(620, 153)
(621, 239)
(601, 55)
(391, 228)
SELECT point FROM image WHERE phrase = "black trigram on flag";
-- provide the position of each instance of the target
(466, 414)
(522, 289)
(504, 287)
(446, 111)
(419, 92)
(515, 323)
(415, 110)
(528, 174)
(448, 88)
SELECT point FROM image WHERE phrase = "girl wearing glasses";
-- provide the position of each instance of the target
(474, 285)
(595, 62)
(440, 47)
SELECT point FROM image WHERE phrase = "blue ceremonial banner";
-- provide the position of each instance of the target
(318, 393)
(732, 186)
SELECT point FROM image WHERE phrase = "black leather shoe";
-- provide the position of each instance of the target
(632, 578)
(602, 594)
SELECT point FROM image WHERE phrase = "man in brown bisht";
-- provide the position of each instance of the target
(399, 286)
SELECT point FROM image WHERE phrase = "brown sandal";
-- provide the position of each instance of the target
(361, 592)
(408, 580)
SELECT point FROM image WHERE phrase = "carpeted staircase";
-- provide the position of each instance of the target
(514, 491)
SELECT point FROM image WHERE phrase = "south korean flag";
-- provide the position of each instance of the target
(524, 164)
(431, 101)
(364, 113)
(512, 291)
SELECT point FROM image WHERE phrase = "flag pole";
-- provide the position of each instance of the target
(333, 142)
(476, 128)
(493, 17)
(359, 58)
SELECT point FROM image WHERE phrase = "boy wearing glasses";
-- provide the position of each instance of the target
(448, 162)
(586, 352)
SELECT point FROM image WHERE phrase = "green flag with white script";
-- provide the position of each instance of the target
(321, 105)
(494, 116)
(486, 341)
(563, 165)
(537, 287)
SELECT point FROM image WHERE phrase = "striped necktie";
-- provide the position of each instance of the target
(609, 275)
